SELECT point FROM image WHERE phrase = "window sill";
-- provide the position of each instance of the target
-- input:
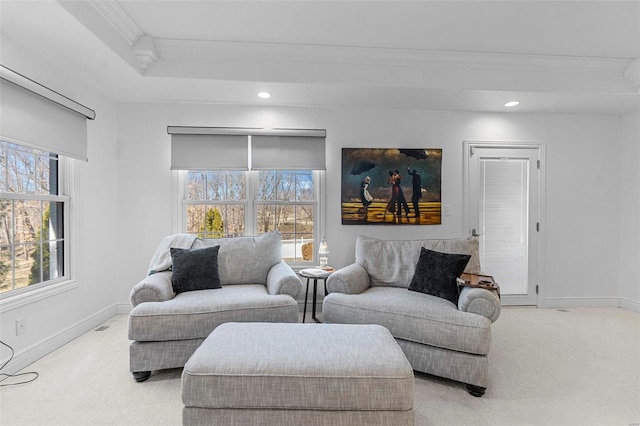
(10, 303)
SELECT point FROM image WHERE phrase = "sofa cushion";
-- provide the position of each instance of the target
(245, 260)
(436, 274)
(194, 269)
(194, 314)
(393, 262)
(412, 316)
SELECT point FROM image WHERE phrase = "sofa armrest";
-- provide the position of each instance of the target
(153, 288)
(352, 279)
(281, 279)
(480, 301)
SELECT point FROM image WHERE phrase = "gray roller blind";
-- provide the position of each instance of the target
(227, 148)
(206, 148)
(274, 152)
(36, 116)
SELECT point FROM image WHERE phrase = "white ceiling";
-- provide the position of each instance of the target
(559, 57)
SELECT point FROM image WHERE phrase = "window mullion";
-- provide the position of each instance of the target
(251, 216)
(13, 244)
(285, 203)
(213, 203)
(34, 197)
(318, 227)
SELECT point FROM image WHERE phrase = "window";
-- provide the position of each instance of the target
(32, 213)
(41, 130)
(216, 203)
(234, 203)
(232, 181)
(286, 201)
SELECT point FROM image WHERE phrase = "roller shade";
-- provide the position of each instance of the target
(227, 148)
(202, 148)
(269, 152)
(36, 116)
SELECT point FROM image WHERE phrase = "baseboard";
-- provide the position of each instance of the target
(123, 308)
(38, 350)
(310, 306)
(629, 304)
(581, 302)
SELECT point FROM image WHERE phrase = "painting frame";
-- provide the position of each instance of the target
(391, 186)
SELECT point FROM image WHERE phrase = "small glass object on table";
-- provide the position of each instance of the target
(323, 253)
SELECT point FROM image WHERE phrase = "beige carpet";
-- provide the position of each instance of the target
(548, 367)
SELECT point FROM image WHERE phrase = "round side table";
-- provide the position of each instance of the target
(314, 274)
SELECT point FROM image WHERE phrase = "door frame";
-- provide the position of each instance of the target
(468, 145)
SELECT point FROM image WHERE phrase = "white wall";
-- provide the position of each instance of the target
(630, 212)
(125, 205)
(53, 321)
(582, 191)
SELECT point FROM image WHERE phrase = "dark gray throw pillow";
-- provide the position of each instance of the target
(436, 274)
(195, 269)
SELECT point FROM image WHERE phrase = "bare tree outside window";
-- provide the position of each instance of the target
(221, 191)
(286, 202)
(282, 200)
(31, 218)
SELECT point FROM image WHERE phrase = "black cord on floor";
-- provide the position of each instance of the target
(8, 376)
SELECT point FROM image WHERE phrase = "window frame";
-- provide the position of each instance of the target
(211, 202)
(67, 187)
(180, 183)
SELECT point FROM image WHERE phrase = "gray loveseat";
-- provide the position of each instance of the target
(437, 336)
(166, 328)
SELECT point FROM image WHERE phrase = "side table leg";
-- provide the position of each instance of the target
(306, 295)
(315, 292)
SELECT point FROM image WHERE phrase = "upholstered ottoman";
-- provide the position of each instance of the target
(298, 374)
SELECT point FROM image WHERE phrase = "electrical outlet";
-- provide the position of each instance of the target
(21, 327)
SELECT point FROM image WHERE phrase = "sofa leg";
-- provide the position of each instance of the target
(476, 391)
(141, 376)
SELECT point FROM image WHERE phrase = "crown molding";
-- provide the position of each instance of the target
(397, 68)
(632, 74)
(115, 15)
(615, 74)
(279, 62)
(284, 52)
(142, 45)
(146, 52)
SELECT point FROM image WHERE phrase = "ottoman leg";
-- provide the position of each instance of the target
(476, 391)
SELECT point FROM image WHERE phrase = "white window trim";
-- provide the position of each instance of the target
(68, 186)
(178, 184)
(179, 217)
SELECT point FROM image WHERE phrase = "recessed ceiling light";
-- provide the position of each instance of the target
(512, 103)
(264, 95)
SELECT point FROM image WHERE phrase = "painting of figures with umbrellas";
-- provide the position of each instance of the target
(391, 186)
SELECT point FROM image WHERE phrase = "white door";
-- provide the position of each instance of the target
(503, 193)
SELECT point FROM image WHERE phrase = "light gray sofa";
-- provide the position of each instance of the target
(437, 336)
(166, 328)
